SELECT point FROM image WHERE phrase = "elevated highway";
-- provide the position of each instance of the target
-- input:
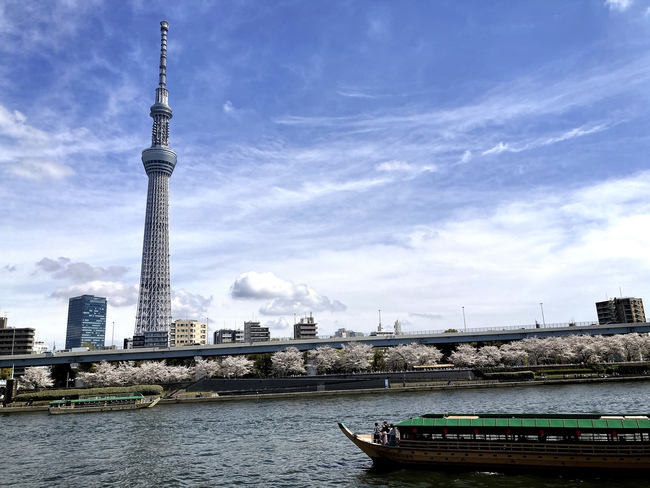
(506, 334)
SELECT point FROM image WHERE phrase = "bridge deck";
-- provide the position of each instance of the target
(431, 338)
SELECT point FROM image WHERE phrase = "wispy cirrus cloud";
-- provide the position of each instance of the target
(620, 5)
(41, 170)
(403, 167)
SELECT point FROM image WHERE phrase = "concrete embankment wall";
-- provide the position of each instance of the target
(325, 382)
(273, 385)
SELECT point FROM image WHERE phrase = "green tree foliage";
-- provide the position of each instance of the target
(262, 365)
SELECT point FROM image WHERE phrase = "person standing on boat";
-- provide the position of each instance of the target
(384, 433)
(376, 434)
(392, 436)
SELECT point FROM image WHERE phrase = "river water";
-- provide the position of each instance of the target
(275, 443)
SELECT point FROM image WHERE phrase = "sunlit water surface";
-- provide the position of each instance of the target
(276, 443)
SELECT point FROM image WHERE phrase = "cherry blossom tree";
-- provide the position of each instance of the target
(103, 374)
(150, 372)
(428, 355)
(356, 356)
(126, 373)
(512, 354)
(535, 349)
(558, 350)
(324, 359)
(613, 348)
(600, 347)
(205, 368)
(176, 374)
(633, 347)
(488, 356)
(37, 377)
(236, 366)
(288, 362)
(400, 357)
(465, 355)
(585, 348)
(644, 347)
(405, 356)
(157, 372)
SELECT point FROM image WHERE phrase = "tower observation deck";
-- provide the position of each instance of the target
(154, 315)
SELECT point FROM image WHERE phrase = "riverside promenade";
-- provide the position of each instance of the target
(394, 389)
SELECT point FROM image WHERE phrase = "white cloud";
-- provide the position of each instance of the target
(79, 272)
(355, 94)
(253, 285)
(573, 133)
(116, 294)
(620, 5)
(189, 305)
(499, 148)
(379, 23)
(403, 167)
(12, 125)
(365, 197)
(394, 166)
(284, 297)
(41, 170)
(279, 324)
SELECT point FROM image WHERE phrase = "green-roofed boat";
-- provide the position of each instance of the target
(503, 442)
(102, 404)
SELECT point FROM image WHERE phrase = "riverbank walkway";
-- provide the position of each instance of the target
(397, 388)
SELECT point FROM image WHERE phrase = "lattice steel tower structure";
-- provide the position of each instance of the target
(154, 315)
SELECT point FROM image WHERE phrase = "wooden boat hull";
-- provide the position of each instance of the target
(504, 456)
(103, 407)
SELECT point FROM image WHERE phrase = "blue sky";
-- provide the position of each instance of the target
(334, 157)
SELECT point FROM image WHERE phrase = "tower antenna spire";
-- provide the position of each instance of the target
(162, 77)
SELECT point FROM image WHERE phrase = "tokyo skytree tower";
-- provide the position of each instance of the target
(154, 315)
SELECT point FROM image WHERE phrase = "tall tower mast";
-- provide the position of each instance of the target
(154, 315)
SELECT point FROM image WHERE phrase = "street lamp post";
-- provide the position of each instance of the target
(113, 337)
(541, 305)
(464, 322)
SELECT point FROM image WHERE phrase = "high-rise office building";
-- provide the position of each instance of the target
(154, 313)
(86, 322)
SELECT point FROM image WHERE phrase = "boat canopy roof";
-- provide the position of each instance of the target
(535, 421)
